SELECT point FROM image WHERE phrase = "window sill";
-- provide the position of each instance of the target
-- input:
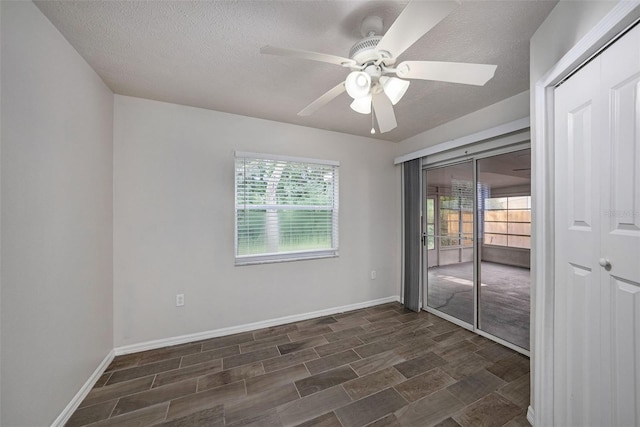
(271, 259)
(508, 247)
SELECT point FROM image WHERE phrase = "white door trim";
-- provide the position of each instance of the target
(623, 14)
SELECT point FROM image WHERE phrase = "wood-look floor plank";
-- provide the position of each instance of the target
(349, 323)
(332, 361)
(189, 404)
(155, 395)
(377, 335)
(424, 384)
(373, 383)
(143, 371)
(248, 358)
(430, 410)
(157, 355)
(326, 420)
(230, 376)
(289, 359)
(310, 332)
(263, 419)
(115, 391)
(494, 352)
(377, 347)
(383, 316)
(477, 385)
(377, 362)
(275, 330)
(318, 321)
(510, 368)
(371, 408)
(314, 405)
(337, 346)
(256, 404)
(102, 380)
(91, 414)
(124, 361)
(208, 356)
(264, 343)
(261, 383)
(465, 365)
(192, 371)
(210, 417)
(324, 380)
(455, 351)
(421, 364)
(491, 410)
(143, 417)
(518, 391)
(296, 346)
(220, 342)
(387, 421)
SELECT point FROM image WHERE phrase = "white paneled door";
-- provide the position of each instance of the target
(597, 223)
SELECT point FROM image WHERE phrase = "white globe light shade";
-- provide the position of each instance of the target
(394, 88)
(358, 84)
(362, 105)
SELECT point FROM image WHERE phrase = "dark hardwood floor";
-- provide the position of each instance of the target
(382, 366)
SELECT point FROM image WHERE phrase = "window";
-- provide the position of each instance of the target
(431, 223)
(456, 221)
(456, 215)
(286, 208)
(507, 221)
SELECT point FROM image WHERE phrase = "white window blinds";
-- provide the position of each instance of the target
(286, 208)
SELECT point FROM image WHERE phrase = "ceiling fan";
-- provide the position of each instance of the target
(373, 58)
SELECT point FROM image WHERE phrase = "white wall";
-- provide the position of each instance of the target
(56, 219)
(0, 215)
(508, 110)
(174, 223)
(567, 23)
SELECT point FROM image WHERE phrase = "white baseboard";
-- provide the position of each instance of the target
(183, 339)
(530, 415)
(84, 390)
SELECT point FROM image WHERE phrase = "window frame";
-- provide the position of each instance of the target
(306, 254)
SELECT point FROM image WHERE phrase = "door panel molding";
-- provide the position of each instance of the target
(621, 16)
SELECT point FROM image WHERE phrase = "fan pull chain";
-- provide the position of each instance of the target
(373, 130)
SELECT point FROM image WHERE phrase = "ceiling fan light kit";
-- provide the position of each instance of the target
(373, 57)
(362, 105)
(358, 84)
(394, 88)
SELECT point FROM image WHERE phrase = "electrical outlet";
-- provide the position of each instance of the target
(179, 300)
(373, 275)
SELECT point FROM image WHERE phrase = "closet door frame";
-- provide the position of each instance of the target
(622, 16)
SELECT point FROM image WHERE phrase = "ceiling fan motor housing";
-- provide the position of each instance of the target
(365, 50)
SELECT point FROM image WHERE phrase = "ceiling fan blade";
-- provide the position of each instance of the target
(322, 101)
(452, 72)
(305, 54)
(414, 21)
(384, 112)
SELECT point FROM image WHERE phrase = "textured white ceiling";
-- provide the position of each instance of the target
(206, 54)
